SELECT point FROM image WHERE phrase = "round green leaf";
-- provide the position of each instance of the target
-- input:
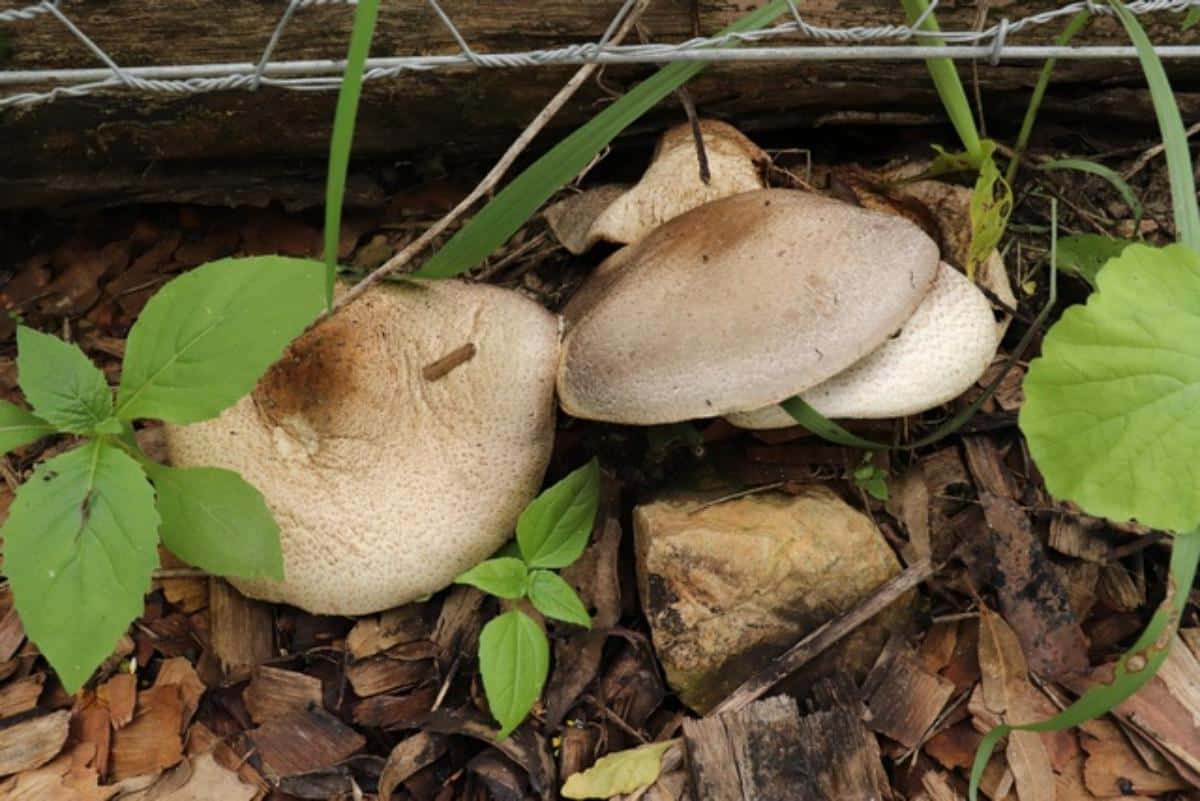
(555, 598)
(503, 577)
(514, 660)
(80, 544)
(1112, 409)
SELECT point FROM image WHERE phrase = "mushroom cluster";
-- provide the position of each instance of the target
(397, 442)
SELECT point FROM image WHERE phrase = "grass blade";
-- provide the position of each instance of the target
(520, 200)
(1107, 173)
(1132, 671)
(947, 82)
(1179, 158)
(343, 134)
(1077, 24)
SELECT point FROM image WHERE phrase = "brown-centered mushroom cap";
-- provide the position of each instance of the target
(391, 468)
(670, 186)
(739, 304)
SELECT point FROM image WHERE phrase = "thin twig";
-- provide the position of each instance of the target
(490, 180)
(1147, 155)
(818, 641)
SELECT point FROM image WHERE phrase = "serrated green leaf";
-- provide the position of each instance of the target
(61, 383)
(80, 544)
(206, 337)
(19, 427)
(1132, 671)
(1101, 171)
(214, 519)
(551, 595)
(504, 577)
(1085, 254)
(619, 773)
(554, 528)
(518, 201)
(991, 205)
(1110, 407)
(514, 660)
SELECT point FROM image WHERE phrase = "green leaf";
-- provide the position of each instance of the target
(206, 337)
(1101, 171)
(79, 547)
(504, 577)
(514, 660)
(343, 134)
(554, 528)
(1110, 407)
(551, 595)
(1193, 16)
(1170, 124)
(520, 200)
(871, 480)
(619, 773)
(991, 204)
(61, 383)
(945, 79)
(1132, 671)
(215, 520)
(1085, 254)
(19, 427)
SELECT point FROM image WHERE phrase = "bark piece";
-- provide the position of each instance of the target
(303, 742)
(395, 711)
(729, 586)
(21, 695)
(201, 740)
(153, 740)
(32, 742)
(66, 778)
(378, 633)
(242, 630)
(178, 672)
(120, 694)
(1113, 767)
(907, 699)
(274, 693)
(407, 757)
(200, 778)
(379, 674)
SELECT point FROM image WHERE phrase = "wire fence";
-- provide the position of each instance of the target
(857, 43)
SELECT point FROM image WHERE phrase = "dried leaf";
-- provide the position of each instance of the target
(620, 772)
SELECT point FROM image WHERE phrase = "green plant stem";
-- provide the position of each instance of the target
(1131, 672)
(947, 82)
(1077, 24)
(343, 135)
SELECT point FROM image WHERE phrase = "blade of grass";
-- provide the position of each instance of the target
(520, 200)
(1077, 24)
(1179, 158)
(1107, 173)
(343, 134)
(947, 82)
(1132, 671)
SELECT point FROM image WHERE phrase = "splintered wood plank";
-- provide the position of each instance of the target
(274, 693)
(32, 742)
(907, 699)
(766, 744)
(242, 630)
(152, 741)
(303, 742)
(711, 760)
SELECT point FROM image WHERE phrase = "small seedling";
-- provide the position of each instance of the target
(870, 478)
(514, 654)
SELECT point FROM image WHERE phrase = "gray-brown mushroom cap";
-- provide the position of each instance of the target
(388, 480)
(739, 304)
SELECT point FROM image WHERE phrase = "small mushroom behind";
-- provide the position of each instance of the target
(391, 468)
(669, 187)
(942, 350)
(738, 304)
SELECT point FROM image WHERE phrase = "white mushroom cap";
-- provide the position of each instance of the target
(387, 485)
(940, 353)
(669, 187)
(739, 304)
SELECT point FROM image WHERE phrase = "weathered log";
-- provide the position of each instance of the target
(136, 145)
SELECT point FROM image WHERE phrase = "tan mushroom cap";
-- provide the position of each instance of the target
(669, 187)
(386, 484)
(739, 304)
(940, 353)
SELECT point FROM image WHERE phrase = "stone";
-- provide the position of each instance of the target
(730, 586)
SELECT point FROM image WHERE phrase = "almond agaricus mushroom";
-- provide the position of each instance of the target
(670, 186)
(396, 443)
(739, 304)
